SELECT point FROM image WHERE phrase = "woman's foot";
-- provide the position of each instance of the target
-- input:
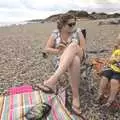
(76, 106)
(76, 110)
(48, 86)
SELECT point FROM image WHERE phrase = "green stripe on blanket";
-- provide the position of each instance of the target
(14, 107)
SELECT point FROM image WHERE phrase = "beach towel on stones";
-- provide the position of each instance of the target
(14, 107)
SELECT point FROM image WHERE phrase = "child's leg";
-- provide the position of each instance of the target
(114, 84)
(103, 84)
(106, 76)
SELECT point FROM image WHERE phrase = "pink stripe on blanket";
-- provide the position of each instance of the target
(20, 89)
(11, 107)
(53, 110)
(30, 99)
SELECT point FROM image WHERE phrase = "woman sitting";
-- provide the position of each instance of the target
(68, 45)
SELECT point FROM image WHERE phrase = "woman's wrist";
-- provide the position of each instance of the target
(52, 50)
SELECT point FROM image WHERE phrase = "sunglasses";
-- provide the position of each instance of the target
(71, 24)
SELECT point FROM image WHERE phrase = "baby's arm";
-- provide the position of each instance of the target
(114, 58)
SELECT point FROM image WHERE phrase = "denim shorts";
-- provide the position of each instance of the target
(110, 74)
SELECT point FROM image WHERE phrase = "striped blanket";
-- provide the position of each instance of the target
(14, 107)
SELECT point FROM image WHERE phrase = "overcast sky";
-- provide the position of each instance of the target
(17, 10)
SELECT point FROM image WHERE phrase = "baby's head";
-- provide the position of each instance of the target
(117, 45)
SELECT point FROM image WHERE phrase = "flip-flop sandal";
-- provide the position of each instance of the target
(79, 114)
(44, 88)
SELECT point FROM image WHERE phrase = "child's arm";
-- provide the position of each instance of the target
(114, 58)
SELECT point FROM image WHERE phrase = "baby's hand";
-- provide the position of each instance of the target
(61, 47)
(118, 58)
(111, 62)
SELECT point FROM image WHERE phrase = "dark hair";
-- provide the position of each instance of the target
(63, 19)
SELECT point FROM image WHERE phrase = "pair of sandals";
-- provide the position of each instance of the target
(49, 90)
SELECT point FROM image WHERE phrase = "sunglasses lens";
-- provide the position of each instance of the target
(71, 24)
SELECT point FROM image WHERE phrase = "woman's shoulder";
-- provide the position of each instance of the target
(55, 31)
(76, 30)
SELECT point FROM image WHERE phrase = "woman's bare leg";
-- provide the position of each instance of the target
(74, 71)
(66, 59)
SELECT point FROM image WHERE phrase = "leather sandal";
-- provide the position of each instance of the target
(44, 88)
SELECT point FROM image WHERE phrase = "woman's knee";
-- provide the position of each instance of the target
(73, 46)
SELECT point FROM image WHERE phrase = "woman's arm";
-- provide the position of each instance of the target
(82, 41)
(49, 48)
